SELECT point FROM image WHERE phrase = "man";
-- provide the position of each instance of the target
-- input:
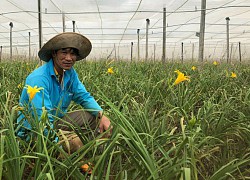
(58, 85)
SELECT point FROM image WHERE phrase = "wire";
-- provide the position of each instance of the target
(172, 34)
(100, 18)
(125, 12)
(131, 20)
(171, 12)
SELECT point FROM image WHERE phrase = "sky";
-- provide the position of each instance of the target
(112, 26)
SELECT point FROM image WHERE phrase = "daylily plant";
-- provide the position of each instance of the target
(193, 68)
(110, 70)
(233, 75)
(181, 77)
(32, 91)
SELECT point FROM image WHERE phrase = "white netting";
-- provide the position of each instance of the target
(112, 25)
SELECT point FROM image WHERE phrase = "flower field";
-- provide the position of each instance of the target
(171, 121)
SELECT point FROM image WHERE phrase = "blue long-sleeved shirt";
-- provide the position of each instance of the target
(55, 97)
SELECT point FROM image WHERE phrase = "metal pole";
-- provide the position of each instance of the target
(138, 44)
(164, 36)
(182, 52)
(40, 24)
(11, 26)
(118, 52)
(202, 30)
(73, 22)
(154, 52)
(147, 24)
(29, 48)
(63, 21)
(239, 51)
(131, 51)
(193, 52)
(1, 50)
(227, 19)
(115, 52)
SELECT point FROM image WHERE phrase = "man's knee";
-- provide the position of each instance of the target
(69, 141)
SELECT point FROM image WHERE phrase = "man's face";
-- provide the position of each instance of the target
(64, 59)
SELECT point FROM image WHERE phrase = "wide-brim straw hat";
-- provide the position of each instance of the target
(66, 40)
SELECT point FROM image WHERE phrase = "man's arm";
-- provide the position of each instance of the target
(83, 97)
(104, 123)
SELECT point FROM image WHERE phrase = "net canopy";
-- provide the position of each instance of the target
(120, 29)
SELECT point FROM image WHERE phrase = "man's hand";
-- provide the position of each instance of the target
(105, 124)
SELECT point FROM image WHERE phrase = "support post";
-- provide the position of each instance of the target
(227, 19)
(138, 44)
(147, 24)
(202, 30)
(1, 50)
(11, 26)
(182, 52)
(154, 52)
(192, 52)
(74, 27)
(164, 36)
(240, 51)
(131, 57)
(40, 24)
(63, 21)
(115, 52)
(29, 48)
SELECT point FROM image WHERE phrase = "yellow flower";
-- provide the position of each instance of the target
(233, 75)
(193, 68)
(215, 63)
(32, 91)
(181, 77)
(110, 70)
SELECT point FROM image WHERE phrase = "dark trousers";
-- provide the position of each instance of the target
(78, 118)
(81, 119)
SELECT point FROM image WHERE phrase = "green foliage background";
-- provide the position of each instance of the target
(194, 130)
